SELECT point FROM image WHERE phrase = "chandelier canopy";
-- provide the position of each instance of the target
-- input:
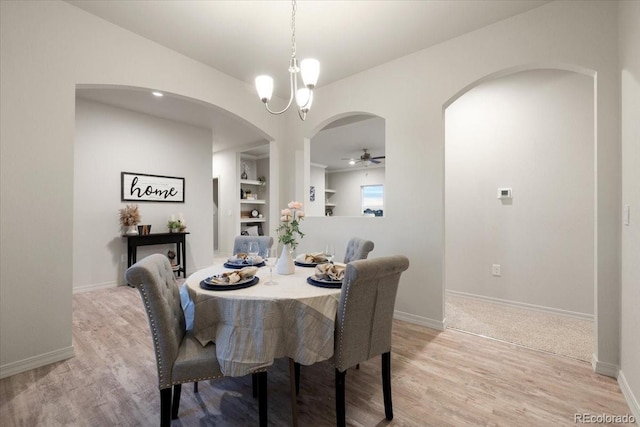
(309, 70)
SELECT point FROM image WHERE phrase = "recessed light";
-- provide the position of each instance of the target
(158, 94)
(352, 162)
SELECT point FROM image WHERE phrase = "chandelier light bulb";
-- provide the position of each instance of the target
(264, 86)
(310, 71)
(304, 98)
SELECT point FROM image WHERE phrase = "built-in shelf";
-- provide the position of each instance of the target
(328, 192)
(250, 182)
(245, 220)
(253, 201)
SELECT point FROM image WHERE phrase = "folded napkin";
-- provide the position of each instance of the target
(231, 277)
(330, 271)
(314, 258)
(243, 258)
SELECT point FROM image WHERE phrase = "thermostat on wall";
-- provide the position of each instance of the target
(504, 193)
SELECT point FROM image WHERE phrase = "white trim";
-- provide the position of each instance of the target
(419, 320)
(602, 368)
(583, 316)
(95, 287)
(36, 361)
(629, 397)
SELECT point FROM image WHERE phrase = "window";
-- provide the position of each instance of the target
(372, 197)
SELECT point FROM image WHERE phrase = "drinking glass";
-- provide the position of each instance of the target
(329, 252)
(253, 250)
(270, 256)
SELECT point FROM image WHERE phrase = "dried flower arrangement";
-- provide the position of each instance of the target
(129, 215)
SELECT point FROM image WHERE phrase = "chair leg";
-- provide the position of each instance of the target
(195, 387)
(175, 406)
(340, 399)
(254, 385)
(386, 385)
(296, 367)
(262, 398)
(165, 407)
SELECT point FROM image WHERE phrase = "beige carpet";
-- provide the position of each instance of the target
(552, 333)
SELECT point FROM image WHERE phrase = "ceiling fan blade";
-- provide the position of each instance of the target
(373, 160)
(377, 157)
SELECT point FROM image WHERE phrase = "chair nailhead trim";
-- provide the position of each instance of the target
(344, 313)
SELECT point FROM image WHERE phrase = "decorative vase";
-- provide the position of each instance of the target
(285, 262)
(132, 230)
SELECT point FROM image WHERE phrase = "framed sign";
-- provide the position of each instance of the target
(140, 187)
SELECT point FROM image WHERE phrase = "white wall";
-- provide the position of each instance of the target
(533, 132)
(318, 179)
(630, 314)
(46, 49)
(111, 140)
(348, 185)
(225, 167)
(411, 93)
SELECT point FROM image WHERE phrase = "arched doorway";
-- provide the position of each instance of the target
(529, 133)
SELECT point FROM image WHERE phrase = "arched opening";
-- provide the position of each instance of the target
(520, 209)
(127, 129)
(346, 169)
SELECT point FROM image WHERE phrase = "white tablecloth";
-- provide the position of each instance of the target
(253, 326)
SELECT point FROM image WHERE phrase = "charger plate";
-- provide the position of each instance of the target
(324, 283)
(212, 286)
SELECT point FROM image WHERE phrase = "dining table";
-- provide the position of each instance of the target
(255, 325)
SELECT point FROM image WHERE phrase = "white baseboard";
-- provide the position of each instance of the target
(94, 287)
(583, 316)
(603, 368)
(36, 361)
(629, 397)
(419, 320)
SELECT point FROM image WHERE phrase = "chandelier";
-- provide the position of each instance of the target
(309, 70)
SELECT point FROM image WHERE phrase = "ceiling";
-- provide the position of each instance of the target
(346, 139)
(246, 38)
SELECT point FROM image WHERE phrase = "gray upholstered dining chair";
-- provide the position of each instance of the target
(357, 248)
(363, 322)
(180, 358)
(241, 243)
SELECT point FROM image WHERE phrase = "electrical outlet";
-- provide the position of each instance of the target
(495, 270)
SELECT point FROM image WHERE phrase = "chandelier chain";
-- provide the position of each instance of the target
(293, 29)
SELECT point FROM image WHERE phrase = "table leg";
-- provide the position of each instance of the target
(294, 399)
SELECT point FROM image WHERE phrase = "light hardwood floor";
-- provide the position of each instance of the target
(438, 379)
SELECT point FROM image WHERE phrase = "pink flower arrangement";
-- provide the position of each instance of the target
(290, 218)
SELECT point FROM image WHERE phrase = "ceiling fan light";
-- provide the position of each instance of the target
(310, 71)
(264, 87)
(304, 99)
(352, 162)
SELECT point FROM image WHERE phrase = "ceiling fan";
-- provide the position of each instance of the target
(365, 158)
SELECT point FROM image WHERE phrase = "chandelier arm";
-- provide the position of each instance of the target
(293, 84)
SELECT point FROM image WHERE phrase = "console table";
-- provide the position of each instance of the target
(159, 239)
